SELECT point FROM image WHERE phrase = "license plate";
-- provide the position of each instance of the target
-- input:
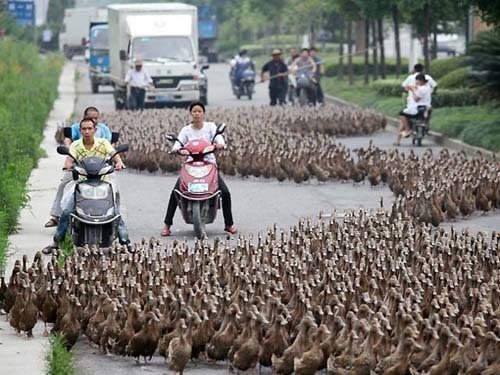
(163, 98)
(166, 81)
(198, 187)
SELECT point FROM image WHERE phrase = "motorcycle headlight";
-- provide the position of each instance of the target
(105, 170)
(110, 211)
(93, 192)
(80, 170)
(189, 87)
(198, 172)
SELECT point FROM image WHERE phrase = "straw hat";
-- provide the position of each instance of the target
(276, 51)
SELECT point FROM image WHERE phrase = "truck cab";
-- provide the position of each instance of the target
(98, 55)
(165, 37)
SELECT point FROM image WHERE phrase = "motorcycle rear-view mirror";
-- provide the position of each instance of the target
(63, 150)
(121, 148)
(220, 128)
(172, 138)
(204, 67)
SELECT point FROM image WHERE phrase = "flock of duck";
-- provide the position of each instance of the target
(377, 292)
(374, 293)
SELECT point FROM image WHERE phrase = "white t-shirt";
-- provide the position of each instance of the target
(207, 132)
(424, 98)
(139, 79)
(410, 80)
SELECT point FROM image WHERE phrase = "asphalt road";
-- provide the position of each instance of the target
(257, 204)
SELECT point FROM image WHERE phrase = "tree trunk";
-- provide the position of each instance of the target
(381, 46)
(340, 74)
(395, 19)
(367, 52)
(312, 36)
(434, 42)
(349, 52)
(427, 17)
(374, 50)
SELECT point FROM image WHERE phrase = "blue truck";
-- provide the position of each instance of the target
(98, 55)
(207, 32)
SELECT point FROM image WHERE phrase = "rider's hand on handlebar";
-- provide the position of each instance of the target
(119, 166)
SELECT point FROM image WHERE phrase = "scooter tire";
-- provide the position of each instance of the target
(198, 225)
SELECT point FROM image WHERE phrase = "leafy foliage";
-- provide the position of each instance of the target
(29, 88)
(58, 360)
(455, 79)
(485, 63)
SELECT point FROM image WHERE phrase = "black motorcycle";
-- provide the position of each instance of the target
(96, 216)
(419, 125)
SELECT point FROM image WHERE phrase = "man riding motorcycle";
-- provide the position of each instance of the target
(85, 147)
(305, 69)
(199, 129)
(242, 63)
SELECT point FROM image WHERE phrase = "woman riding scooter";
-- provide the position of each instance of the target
(199, 129)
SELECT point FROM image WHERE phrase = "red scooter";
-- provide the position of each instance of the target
(198, 195)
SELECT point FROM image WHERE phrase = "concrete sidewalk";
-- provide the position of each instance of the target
(18, 355)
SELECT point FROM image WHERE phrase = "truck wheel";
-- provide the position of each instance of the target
(204, 100)
(95, 87)
(198, 224)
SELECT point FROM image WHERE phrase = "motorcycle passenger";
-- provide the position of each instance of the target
(418, 95)
(242, 63)
(278, 81)
(305, 66)
(200, 129)
(102, 131)
(410, 81)
(138, 79)
(85, 147)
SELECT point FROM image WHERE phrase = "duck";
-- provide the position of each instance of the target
(28, 315)
(284, 365)
(70, 326)
(314, 359)
(221, 343)
(111, 329)
(275, 342)
(246, 357)
(145, 342)
(179, 350)
(128, 330)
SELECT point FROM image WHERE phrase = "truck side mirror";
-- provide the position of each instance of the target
(123, 55)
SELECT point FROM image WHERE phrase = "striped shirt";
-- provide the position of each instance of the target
(101, 148)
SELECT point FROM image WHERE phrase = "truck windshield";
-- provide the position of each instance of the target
(99, 38)
(177, 48)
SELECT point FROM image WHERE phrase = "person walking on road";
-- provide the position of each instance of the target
(320, 71)
(278, 80)
(292, 84)
(138, 79)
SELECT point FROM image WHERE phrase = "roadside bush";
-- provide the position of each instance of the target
(455, 79)
(29, 88)
(455, 98)
(387, 87)
(485, 64)
(441, 67)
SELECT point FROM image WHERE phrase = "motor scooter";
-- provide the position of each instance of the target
(96, 216)
(419, 125)
(247, 84)
(198, 195)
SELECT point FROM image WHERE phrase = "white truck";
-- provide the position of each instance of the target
(75, 29)
(165, 37)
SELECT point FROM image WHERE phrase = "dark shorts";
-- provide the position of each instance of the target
(407, 115)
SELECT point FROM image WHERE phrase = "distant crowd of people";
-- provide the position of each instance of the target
(296, 79)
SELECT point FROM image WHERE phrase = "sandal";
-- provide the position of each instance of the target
(52, 222)
(166, 232)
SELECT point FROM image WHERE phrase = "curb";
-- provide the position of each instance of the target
(18, 355)
(438, 138)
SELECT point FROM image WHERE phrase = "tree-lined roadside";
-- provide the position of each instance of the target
(29, 88)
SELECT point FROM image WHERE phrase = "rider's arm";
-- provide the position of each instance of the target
(183, 137)
(313, 63)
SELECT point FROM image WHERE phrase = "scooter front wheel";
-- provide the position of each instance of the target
(198, 224)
